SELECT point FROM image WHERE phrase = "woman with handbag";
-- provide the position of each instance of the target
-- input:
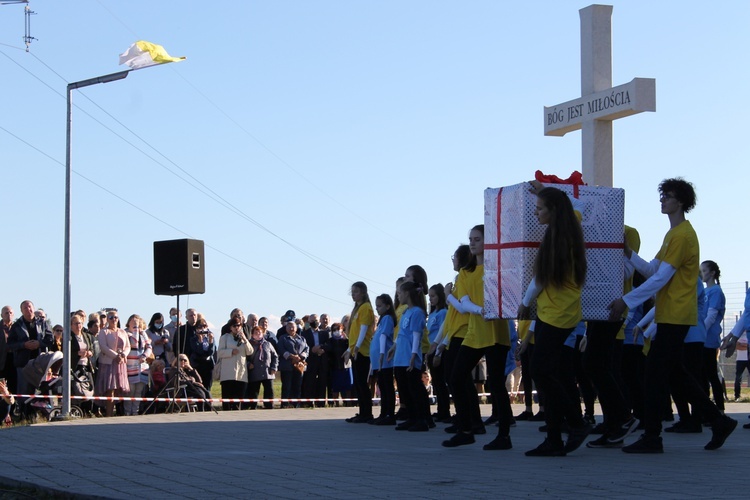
(234, 349)
(293, 353)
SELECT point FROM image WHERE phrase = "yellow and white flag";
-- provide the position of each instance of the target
(143, 54)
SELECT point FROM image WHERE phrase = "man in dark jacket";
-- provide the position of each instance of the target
(26, 341)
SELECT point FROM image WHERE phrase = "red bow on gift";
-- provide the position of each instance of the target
(576, 179)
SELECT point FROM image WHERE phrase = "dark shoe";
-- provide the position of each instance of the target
(431, 423)
(402, 414)
(577, 436)
(360, 419)
(419, 426)
(492, 419)
(598, 429)
(446, 420)
(645, 444)
(547, 449)
(404, 426)
(589, 419)
(499, 443)
(389, 420)
(479, 429)
(746, 426)
(603, 442)
(539, 417)
(375, 421)
(452, 429)
(511, 424)
(688, 427)
(351, 419)
(460, 439)
(722, 428)
(623, 431)
(524, 415)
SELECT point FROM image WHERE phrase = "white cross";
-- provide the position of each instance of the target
(600, 104)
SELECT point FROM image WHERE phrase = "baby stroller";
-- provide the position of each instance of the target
(43, 372)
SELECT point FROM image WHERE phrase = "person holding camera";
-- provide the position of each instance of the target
(204, 351)
(234, 349)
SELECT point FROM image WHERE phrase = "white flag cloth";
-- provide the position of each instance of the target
(143, 54)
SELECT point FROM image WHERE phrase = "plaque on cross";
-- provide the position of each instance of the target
(601, 103)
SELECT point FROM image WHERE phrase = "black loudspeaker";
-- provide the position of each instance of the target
(179, 268)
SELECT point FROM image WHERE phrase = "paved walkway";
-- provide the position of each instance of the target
(314, 453)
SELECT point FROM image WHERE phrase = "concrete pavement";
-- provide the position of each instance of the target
(298, 453)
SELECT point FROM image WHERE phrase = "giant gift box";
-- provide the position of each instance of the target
(511, 241)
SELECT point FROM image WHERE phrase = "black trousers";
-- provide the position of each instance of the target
(253, 390)
(387, 392)
(599, 361)
(449, 361)
(465, 393)
(232, 389)
(711, 376)
(665, 370)
(692, 361)
(361, 369)
(554, 376)
(633, 376)
(440, 387)
(418, 402)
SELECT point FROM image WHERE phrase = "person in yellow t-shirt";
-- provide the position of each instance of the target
(454, 327)
(559, 274)
(671, 277)
(488, 338)
(360, 331)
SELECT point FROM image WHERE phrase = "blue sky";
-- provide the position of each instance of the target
(312, 144)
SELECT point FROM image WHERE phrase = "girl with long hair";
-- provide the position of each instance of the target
(716, 306)
(408, 359)
(382, 342)
(360, 330)
(438, 312)
(559, 274)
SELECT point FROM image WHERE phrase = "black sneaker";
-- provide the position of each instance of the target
(405, 425)
(722, 428)
(603, 442)
(524, 415)
(388, 420)
(402, 414)
(547, 449)
(539, 417)
(460, 439)
(419, 426)
(479, 429)
(577, 436)
(491, 420)
(746, 426)
(645, 444)
(599, 429)
(452, 429)
(685, 427)
(499, 443)
(352, 419)
(589, 419)
(623, 431)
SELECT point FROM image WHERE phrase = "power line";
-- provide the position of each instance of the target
(171, 226)
(195, 183)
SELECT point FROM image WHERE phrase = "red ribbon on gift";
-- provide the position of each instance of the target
(576, 180)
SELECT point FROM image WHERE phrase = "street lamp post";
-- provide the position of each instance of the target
(66, 271)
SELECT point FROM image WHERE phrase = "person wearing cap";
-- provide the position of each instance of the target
(286, 318)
